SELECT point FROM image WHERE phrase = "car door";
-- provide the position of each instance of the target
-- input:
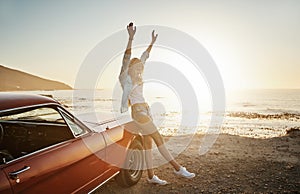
(4, 183)
(66, 167)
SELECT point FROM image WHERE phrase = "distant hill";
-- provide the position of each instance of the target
(11, 80)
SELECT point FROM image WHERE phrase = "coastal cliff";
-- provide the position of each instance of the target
(14, 80)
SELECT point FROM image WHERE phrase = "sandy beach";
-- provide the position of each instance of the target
(234, 164)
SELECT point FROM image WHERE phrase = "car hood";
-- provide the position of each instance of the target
(100, 121)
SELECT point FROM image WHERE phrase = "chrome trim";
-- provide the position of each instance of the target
(31, 106)
(102, 123)
(2, 133)
(63, 111)
(33, 123)
(103, 182)
(14, 175)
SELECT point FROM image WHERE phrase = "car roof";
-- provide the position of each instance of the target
(17, 100)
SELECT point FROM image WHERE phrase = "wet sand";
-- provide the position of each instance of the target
(233, 165)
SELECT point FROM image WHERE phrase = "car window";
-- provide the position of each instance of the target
(25, 131)
(74, 125)
(45, 114)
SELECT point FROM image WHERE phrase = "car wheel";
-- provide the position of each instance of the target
(133, 169)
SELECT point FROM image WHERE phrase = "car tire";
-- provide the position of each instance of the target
(133, 166)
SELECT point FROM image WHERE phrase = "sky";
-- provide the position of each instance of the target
(255, 44)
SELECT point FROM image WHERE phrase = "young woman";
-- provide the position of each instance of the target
(132, 84)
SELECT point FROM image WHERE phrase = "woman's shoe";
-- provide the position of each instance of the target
(184, 173)
(156, 180)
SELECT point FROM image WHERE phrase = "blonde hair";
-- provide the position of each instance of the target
(134, 71)
(134, 61)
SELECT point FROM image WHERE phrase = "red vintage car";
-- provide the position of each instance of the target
(45, 149)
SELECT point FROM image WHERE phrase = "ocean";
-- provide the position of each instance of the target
(250, 113)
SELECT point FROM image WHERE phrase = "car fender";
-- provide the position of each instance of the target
(116, 151)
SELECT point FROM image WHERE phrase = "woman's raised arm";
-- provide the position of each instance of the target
(131, 31)
(127, 54)
(154, 37)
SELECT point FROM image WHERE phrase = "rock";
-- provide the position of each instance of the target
(293, 132)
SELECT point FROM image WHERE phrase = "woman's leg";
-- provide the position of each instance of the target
(158, 139)
(148, 155)
(150, 131)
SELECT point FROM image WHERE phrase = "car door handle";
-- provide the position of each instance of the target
(14, 175)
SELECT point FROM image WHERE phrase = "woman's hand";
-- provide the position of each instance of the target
(131, 30)
(154, 37)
